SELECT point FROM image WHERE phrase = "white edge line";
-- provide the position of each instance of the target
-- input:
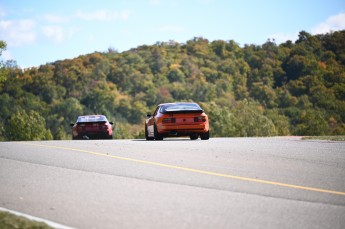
(50, 223)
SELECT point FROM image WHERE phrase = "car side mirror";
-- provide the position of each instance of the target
(112, 125)
(149, 115)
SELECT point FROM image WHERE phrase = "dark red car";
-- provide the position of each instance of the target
(92, 127)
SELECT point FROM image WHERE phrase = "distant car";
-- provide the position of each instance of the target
(92, 127)
(177, 119)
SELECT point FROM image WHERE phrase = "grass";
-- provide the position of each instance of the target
(328, 138)
(11, 221)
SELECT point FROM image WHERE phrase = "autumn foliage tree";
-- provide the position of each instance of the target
(294, 88)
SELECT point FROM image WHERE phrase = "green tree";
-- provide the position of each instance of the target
(63, 114)
(2, 131)
(3, 69)
(253, 121)
(176, 75)
(312, 123)
(223, 123)
(23, 126)
(281, 122)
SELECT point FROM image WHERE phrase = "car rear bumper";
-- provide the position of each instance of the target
(182, 130)
(93, 135)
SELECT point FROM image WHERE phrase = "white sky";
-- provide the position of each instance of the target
(42, 31)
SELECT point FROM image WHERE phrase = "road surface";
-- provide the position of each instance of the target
(281, 182)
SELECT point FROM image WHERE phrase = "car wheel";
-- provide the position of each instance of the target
(157, 136)
(147, 134)
(205, 136)
(193, 136)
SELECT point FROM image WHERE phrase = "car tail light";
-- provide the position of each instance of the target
(103, 126)
(200, 119)
(81, 128)
(169, 120)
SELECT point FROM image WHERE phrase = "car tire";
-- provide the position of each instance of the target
(205, 136)
(147, 135)
(157, 136)
(193, 136)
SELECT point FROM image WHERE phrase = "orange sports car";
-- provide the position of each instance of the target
(177, 119)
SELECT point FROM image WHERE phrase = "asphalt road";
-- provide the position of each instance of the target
(177, 183)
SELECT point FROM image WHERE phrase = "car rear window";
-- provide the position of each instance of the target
(92, 118)
(181, 107)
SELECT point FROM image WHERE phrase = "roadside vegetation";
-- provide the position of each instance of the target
(328, 138)
(294, 88)
(11, 221)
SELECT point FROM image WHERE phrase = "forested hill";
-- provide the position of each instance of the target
(295, 88)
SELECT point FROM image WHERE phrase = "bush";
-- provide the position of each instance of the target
(24, 126)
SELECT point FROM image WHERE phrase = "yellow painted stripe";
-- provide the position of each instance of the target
(196, 170)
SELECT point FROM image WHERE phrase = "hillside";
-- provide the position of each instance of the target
(295, 88)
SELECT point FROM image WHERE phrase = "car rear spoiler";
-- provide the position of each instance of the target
(183, 112)
(100, 122)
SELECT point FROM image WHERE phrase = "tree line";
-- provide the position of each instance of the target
(294, 88)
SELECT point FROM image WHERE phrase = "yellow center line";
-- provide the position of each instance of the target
(196, 170)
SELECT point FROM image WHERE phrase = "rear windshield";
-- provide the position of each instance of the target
(181, 107)
(92, 118)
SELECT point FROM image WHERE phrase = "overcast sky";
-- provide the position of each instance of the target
(42, 31)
